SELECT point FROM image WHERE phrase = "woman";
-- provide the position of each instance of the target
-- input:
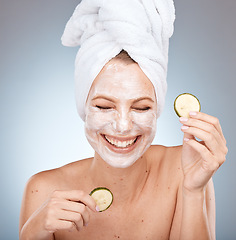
(159, 192)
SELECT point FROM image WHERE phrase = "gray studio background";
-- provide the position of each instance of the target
(39, 125)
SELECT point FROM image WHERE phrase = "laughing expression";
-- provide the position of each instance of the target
(121, 113)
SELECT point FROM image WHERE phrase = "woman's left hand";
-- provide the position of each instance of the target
(201, 159)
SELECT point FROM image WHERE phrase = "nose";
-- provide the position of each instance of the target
(123, 123)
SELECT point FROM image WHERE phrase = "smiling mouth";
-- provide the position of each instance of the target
(120, 143)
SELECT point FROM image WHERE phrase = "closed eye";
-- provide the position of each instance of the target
(103, 107)
(142, 109)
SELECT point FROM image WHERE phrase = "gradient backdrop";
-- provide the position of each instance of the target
(39, 125)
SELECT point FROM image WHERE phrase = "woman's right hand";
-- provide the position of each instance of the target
(64, 210)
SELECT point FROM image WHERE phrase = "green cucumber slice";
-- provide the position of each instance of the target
(103, 197)
(186, 102)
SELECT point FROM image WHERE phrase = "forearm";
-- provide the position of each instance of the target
(194, 222)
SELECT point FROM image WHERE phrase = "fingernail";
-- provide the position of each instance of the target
(183, 119)
(184, 127)
(97, 209)
(186, 139)
(192, 113)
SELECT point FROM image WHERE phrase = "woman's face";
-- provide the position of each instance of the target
(121, 113)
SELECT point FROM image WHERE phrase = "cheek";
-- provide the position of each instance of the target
(145, 121)
(96, 120)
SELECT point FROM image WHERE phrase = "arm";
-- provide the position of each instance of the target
(195, 209)
(45, 211)
(198, 214)
(194, 214)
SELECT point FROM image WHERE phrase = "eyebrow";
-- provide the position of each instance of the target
(103, 97)
(143, 98)
(112, 100)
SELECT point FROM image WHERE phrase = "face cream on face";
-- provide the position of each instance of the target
(121, 114)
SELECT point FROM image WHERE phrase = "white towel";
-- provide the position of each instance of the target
(102, 28)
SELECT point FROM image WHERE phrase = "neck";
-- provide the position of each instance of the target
(125, 183)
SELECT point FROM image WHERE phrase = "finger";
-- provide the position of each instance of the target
(77, 208)
(208, 138)
(186, 134)
(74, 217)
(77, 196)
(187, 137)
(61, 225)
(210, 119)
(207, 127)
(209, 162)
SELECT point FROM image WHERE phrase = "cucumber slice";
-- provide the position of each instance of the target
(186, 102)
(103, 197)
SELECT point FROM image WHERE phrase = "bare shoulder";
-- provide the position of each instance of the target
(166, 163)
(56, 179)
(166, 155)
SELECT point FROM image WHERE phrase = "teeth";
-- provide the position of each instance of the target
(120, 144)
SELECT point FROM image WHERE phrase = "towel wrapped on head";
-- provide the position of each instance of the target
(103, 28)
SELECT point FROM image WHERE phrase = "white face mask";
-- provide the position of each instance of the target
(121, 114)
